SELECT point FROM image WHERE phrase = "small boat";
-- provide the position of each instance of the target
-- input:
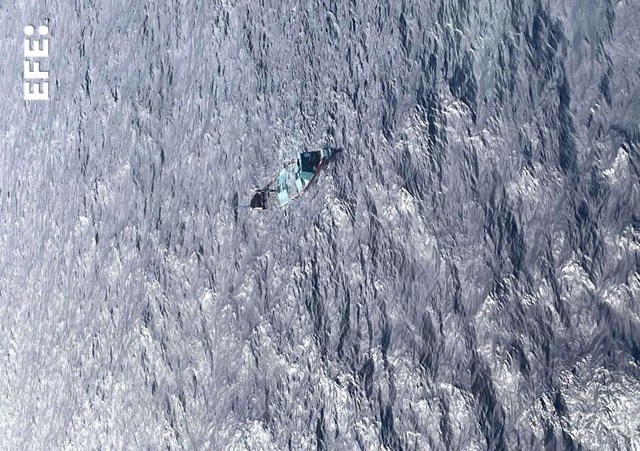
(292, 180)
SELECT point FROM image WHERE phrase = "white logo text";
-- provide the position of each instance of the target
(36, 49)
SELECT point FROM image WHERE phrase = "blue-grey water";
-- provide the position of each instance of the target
(464, 276)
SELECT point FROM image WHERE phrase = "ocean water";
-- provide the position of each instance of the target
(464, 276)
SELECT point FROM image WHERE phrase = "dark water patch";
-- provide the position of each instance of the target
(542, 333)
(547, 266)
(549, 440)
(404, 33)
(526, 148)
(544, 38)
(321, 444)
(503, 229)
(234, 205)
(147, 316)
(445, 425)
(607, 19)
(388, 433)
(558, 440)
(598, 189)
(515, 238)
(459, 307)
(605, 84)
(518, 17)
(428, 68)
(567, 151)
(586, 237)
(514, 67)
(421, 169)
(516, 353)
(410, 173)
(616, 333)
(569, 443)
(345, 324)
(387, 329)
(559, 404)
(463, 83)
(331, 28)
(633, 149)
(488, 408)
(582, 214)
(346, 192)
(315, 306)
(390, 107)
(428, 352)
(431, 112)
(500, 82)
(365, 375)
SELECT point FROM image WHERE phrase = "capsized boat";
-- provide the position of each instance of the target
(292, 180)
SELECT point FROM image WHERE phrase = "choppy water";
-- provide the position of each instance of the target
(464, 276)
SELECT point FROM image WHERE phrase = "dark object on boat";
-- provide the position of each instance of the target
(259, 200)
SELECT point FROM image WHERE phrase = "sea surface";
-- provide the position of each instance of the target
(465, 275)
